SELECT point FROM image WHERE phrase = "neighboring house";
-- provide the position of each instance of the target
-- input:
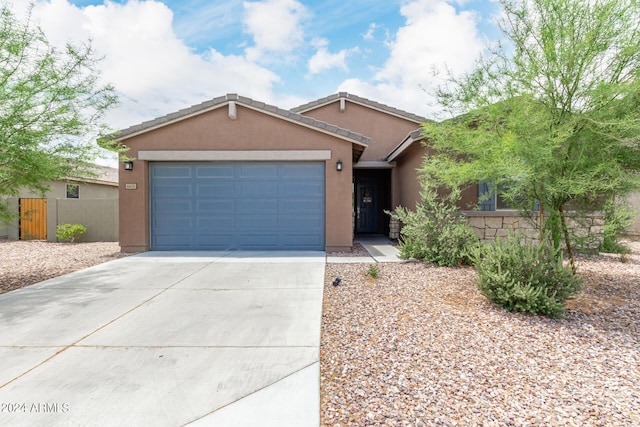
(92, 202)
(235, 173)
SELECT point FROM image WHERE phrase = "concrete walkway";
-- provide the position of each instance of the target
(167, 339)
(379, 248)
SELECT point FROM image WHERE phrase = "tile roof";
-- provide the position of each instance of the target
(249, 103)
(413, 136)
(362, 101)
(106, 174)
(103, 175)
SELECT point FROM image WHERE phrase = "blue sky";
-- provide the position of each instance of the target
(165, 55)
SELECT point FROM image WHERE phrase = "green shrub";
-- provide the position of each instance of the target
(436, 231)
(525, 276)
(70, 232)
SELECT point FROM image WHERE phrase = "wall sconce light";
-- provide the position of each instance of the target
(128, 165)
(339, 165)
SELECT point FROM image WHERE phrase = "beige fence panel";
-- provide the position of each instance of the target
(100, 216)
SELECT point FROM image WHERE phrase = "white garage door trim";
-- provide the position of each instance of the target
(234, 156)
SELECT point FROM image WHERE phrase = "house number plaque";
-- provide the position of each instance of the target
(131, 186)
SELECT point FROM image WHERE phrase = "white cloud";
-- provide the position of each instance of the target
(275, 25)
(435, 37)
(323, 60)
(369, 35)
(153, 70)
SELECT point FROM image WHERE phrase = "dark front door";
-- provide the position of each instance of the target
(366, 207)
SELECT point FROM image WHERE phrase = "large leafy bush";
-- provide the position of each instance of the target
(436, 231)
(525, 276)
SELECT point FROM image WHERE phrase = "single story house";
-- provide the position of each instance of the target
(236, 173)
(92, 202)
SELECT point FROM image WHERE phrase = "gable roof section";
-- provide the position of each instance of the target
(413, 136)
(222, 101)
(361, 101)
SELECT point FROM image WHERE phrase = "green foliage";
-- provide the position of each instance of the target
(552, 114)
(436, 231)
(617, 217)
(373, 271)
(70, 233)
(525, 276)
(52, 110)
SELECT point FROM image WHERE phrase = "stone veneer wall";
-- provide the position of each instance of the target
(489, 225)
(394, 228)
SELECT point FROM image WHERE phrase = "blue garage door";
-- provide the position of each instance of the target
(237, 205)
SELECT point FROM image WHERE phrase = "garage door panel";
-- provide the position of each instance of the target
(175, 191)
(214, 241)
(302, 189)
(222, 223)
(258, 241)
(173, 222)
(173, 172)
(173, 205)
(176, 241)
(301, 206)
(259, 206)
(258, 222)
(217, 170)
(301, 242)
(257, 170)
(217, 206)
(237, 205)
(302, 223)
(257, 189)
(216, 191)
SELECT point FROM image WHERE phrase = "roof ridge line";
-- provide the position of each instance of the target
(361, 100)
(220, 101)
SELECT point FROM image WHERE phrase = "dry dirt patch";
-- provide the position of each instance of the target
(421, 346)
(23, 263)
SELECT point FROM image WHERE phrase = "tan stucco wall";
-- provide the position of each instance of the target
(251, 130)
(409, 186)
(94, 209)
(407, 175)
(99, 216)
(386, 131)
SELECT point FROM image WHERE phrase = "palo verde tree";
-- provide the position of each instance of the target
(551, 115)
(51, 109)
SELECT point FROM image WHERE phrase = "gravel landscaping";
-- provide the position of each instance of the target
(25, 262)
(419, 345)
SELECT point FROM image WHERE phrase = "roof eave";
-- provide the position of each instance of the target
(412, 137)
(216, 103)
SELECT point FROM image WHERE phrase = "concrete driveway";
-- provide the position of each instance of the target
(167, 339)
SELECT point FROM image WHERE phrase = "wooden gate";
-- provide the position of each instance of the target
(33, 219)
